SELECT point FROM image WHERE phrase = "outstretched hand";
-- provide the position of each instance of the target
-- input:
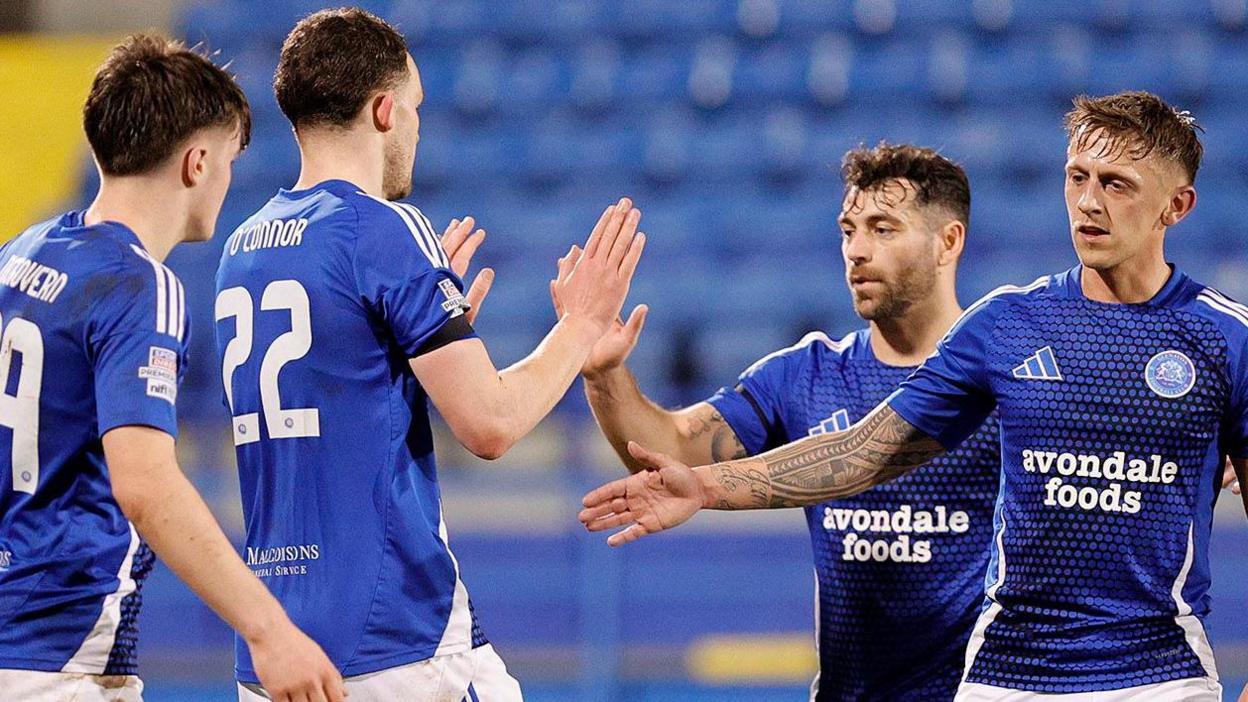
(591, 284)
(460, 243)
(664, 495)
(620, 338)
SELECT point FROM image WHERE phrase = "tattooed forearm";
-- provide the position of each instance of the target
(881, 447)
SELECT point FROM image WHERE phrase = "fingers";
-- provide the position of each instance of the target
(611, 521)
(651, 459)
(607, 236)
(455, 234)
(335, 688)
(623, 240)
(600, 227)
(616, 505)
(462, 258)
(627, 536)
(629, 264)
(476, 293)
(1235, 488)
(636, 322)
(568, 263)
(605, 493)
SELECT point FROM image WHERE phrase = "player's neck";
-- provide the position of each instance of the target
(908, 339)
(158, 218)
(1133, 281)
(341, 156)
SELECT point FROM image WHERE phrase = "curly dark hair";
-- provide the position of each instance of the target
(151, 94)
(937, 180)
(1137, 124)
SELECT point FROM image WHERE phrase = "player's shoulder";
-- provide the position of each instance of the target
(1002, 300)
(390, 225)
(815, 347)
(1230, 316)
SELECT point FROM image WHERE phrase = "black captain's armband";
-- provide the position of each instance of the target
(455, 329)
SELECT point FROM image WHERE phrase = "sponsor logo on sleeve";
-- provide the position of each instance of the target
(161, 373)
(455, 302)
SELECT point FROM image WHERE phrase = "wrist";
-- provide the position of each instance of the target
(261, 629)
(603, 376)
(584, 330)
(713, 495)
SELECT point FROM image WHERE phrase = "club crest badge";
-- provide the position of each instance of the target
(1170, 374)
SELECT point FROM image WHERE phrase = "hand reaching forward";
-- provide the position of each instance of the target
(460, 242)
(592, 286)
(663, 496)
(621, 337)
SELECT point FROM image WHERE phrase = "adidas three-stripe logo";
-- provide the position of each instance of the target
(1040, 365)
(170, 298)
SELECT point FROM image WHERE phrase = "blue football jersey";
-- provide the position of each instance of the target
(1114, 422)
(94, 338)
(322, 298)
(899, 568)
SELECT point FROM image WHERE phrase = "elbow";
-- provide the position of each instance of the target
(488, 442)
(133, 502)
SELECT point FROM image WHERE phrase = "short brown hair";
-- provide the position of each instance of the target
(332, 61)
(937, 180)
(1138, 124)
(151, 94)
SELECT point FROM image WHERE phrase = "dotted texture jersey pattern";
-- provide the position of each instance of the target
(900, 568)
(1114, 419)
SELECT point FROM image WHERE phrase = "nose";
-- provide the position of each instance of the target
(1089, 199)
(857, 248)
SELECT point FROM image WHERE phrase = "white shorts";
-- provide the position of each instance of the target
(1188, 690)
(478, 675)
(40, 686)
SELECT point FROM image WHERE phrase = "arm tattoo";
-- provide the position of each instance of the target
(881, 447)
(725, 445)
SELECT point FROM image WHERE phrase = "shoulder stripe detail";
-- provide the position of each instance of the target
(838, 346)
(170, 298)
(1041, 282)
(162, 295)
(1036, 284)
(411, 228)
(1224, 304)
(427, 227)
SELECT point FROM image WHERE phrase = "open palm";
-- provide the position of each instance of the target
(663, 496)
(620, 338)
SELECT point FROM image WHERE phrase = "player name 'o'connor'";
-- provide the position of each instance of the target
(271, 233)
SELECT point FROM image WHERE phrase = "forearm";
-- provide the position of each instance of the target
(625, 414)
(178, 526)
(529, 389)
(880, 448)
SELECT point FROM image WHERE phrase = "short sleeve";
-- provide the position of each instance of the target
(404, 277)
(137, 338)
(754, 408)
(949, 396)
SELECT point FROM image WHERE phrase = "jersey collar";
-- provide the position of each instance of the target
(1072, 285)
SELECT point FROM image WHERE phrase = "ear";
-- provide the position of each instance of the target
(1181, 204)
(950, 241)
(193, 165)
(382, 109)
